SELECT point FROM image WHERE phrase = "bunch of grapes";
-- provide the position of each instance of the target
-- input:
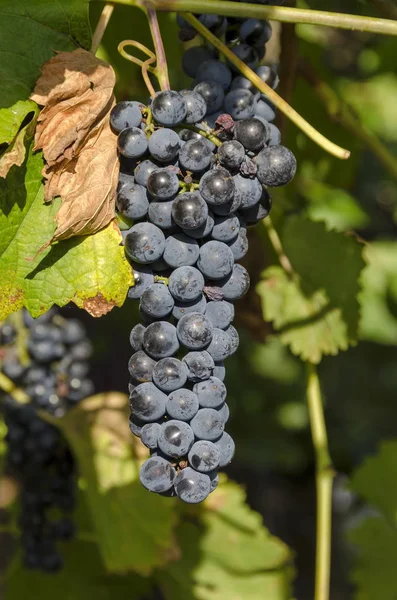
(55, 379)
(195, 170)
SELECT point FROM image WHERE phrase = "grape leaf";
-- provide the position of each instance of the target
(379, 294)
(16, 151)
(90, 271)
(30, 32)
(82, 577)
(316, 312)
(227, 553)
(11, 119)
(375, 536)
(134, 528)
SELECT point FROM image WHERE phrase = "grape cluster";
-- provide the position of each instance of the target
(54, 375)
(195, 166)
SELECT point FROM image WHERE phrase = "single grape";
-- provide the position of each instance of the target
(226, 446)
(204, 456)
(150, 434)
(164, 145)
(247, 54)
(163, 184)
(217, 186)
(207, 424)
(224, 412)
(195, 156)
(147, 403)
(157, 474)
(160, 340)
(160, 214)
(168, 108)
(237, 284)
(143, 278)
(125, 114)
(252, 133)
(182, 404)
(183, 308)
(132, 201)
(213, 94)
(136, 336)
(226, 228)
(144, 243)
(194, 331)
(156, 301)
(264, 111)
(269, 75)
(220, 313)
(189, 210)
(180, 250)
(221, 345)
(196, 106)
(191, 486)
(234, 337)
(231, 154)
(276, 166)
(214, 70)
(274, 135)
(255, 32)
(239, 246)
(186, 283)
(143, 170)
(200, 365)
(169, 374)
(141, 367)
(193, 58)
(132, 142)
(215, 260)
(249, 190)
(176, 438)
(210, 393)
(240, 104)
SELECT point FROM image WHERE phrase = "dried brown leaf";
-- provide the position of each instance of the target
(79, 148)
(76, 89)
(87, 187)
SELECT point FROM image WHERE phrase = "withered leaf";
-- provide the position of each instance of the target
(76, 90)
(87, 187)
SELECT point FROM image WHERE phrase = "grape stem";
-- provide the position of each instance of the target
(161, 69)
(344, 114)
(283, 14)
(207, 134)
(281, 104)
(101, 27)
(8, 386)
(278, 248)
(324, 480)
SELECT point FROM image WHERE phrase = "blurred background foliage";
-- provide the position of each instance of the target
(266, 383)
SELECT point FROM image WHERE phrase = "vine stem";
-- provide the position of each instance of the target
(161, 69)
(8, 386)
(281, 104)
(277, 13)
(278, 247)
(101, 27)
(324, 481)
(341, 112)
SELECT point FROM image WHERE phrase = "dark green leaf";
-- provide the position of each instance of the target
(30, 32)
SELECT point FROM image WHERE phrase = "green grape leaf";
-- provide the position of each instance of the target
(82, 577)
(316, 312)
(375, 535)
(379, 293)
(91, 270)
(16, 151)
(227, 553)
(30, 32)
(11, 119)
(134, 528)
